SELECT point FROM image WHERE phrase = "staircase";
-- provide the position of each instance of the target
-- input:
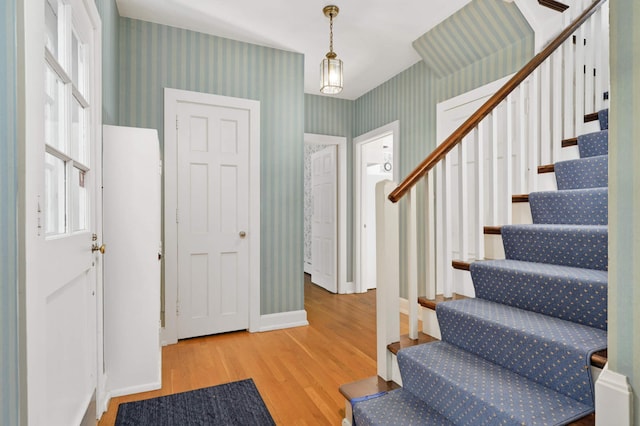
(520, 351)
(527, 345)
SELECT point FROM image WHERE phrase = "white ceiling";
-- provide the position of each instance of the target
(372, 37)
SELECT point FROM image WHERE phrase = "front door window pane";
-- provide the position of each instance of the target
(78, 64)
(53, 135)
(78, 133)
(51, 26)
(55, 195)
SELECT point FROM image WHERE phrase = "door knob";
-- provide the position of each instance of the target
(95, 248)
(243, 234)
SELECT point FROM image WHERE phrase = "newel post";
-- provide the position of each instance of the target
(388, 273)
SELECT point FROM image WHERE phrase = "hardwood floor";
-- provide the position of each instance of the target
(298, 371)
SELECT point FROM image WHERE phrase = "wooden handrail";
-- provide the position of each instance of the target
(465, 128)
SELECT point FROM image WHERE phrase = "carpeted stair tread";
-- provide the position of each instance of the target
(572, 294)
(603, 118)
(398, 407)
(569, 245)
(570, 207)
(590, 172)
(592, 144)
(470, 390)
(550, 351)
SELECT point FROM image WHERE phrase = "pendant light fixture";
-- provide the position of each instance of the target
(331, 66)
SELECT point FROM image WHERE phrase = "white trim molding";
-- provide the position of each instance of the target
(282, 320)
(392, 128)
(614, 399)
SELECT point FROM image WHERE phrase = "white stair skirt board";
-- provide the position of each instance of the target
(493, 248)
(614, 399)
(282, 320)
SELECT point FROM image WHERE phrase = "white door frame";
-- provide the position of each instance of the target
(314, 139)
(172, 97)
(392, 128)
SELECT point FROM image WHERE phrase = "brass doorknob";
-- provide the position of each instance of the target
(243, 234)
(95, 248)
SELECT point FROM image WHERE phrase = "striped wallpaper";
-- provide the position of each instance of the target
(410, 98)
(9, 406)
(154, 56)
(110, 60)
(475, 32)
(624, 195)
(499, 64)
(325, 115)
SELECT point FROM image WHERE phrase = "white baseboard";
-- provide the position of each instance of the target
(347, 288)
(135, 389)
(404, 306)
(307, 268)
(614, 399)
(283, 320)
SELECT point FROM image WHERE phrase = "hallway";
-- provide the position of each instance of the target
(298, 371)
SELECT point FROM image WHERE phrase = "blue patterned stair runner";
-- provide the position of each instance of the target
(519, 353)
(572, 294)
(591, 172)
(570, 206)
(521, 341)
(398, 407)
(469, 390)
(592, 144)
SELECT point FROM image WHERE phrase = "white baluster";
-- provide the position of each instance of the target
(556, 110)
(523, 137)
(534, 130)
(430, 214)
(493, 165)
(579, 80)
(447, 243)
(412, 262)
(463, 201)
(478, 141)
(570, 116)
(546, 93)
(508, 163)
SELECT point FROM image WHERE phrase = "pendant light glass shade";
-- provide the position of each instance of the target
(331, 67)
(331, 75)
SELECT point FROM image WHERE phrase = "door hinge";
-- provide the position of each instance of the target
(176, 122)
(177, 308)
(177, 216)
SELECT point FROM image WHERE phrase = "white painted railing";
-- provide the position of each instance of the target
(472, 185)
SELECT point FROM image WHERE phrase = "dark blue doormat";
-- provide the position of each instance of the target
(236, 403)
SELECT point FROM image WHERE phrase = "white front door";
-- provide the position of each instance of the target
(62, 160)
(324, 219)
(213, 219)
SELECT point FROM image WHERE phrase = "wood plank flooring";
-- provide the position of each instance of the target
(298, 371)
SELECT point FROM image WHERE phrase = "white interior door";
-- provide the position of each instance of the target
(324, 247)
(63, 219)
(213, 219)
